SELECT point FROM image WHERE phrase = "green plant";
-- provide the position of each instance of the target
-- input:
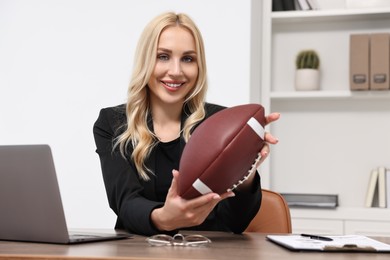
(307, 59)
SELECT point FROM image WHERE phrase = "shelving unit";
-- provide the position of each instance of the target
(336, 94)
(329, 139)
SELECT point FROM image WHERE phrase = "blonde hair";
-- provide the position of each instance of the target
(137, 132)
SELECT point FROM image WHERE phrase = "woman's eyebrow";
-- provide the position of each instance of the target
(170, 51)
(190, 52)
(164, 50)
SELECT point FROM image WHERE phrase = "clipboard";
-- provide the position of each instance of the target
(346, 243)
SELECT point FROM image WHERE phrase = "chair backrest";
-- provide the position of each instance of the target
(273, 216)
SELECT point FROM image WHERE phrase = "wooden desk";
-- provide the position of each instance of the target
(224, 246)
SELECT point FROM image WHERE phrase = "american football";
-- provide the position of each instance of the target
(222, 151)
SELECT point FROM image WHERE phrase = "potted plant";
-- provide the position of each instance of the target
(307, 75)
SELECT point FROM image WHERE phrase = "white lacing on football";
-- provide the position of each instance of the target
(250, 172)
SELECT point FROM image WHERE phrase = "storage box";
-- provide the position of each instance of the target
(299, 200)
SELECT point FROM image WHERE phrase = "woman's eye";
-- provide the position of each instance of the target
(163, 57)
(188, 59)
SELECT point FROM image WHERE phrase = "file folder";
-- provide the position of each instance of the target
(379, 49)
(359, 58)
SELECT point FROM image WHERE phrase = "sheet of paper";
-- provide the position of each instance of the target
(348, 242)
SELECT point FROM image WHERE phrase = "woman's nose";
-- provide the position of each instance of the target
(175, 68)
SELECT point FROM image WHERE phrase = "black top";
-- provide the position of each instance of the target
(133, 199)
(167, 155)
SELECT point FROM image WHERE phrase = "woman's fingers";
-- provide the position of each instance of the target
(272, 118)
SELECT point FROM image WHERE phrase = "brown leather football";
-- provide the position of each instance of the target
(221, 152)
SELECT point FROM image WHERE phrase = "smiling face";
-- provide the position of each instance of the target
(176, 69)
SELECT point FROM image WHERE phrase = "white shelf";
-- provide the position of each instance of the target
(329, 15)
(341, 94)
(344, 213)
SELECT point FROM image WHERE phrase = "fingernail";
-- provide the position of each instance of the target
(216, 197)
(231, 194)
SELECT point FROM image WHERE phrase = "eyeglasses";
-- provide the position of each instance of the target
(178, 240)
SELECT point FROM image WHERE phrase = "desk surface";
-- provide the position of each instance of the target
(223, 246)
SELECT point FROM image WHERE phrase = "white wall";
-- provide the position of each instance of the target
(61, 61)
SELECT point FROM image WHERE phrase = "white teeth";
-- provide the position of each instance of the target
(172, 85)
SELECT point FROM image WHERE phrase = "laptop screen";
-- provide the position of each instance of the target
(30, 201)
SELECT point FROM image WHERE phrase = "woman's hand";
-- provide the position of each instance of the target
(178, 212)
(268, 138)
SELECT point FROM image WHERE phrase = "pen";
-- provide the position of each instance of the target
(317, 237)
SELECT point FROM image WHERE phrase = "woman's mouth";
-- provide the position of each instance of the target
(172, 85)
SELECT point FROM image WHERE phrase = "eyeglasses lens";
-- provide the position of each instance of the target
(178, 240)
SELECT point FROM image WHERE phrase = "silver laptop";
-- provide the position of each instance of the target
(30, 202)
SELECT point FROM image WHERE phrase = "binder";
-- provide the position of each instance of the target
(382, 187)
(372, 190)
(303, 4)
(379, 49)
(387, 188)
(277, 5)
(283, 5)
(288, 5)
(313, 4)
(359, 58)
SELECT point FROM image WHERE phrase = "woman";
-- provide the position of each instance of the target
(140, 143)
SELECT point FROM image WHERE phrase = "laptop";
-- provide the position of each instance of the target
(31, 209)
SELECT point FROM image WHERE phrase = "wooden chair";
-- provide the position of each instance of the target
(273, 216)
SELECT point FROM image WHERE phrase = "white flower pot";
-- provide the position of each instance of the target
(307, 79)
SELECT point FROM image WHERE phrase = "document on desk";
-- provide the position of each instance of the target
(347, 243)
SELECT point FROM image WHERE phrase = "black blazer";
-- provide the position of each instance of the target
(133, 199)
